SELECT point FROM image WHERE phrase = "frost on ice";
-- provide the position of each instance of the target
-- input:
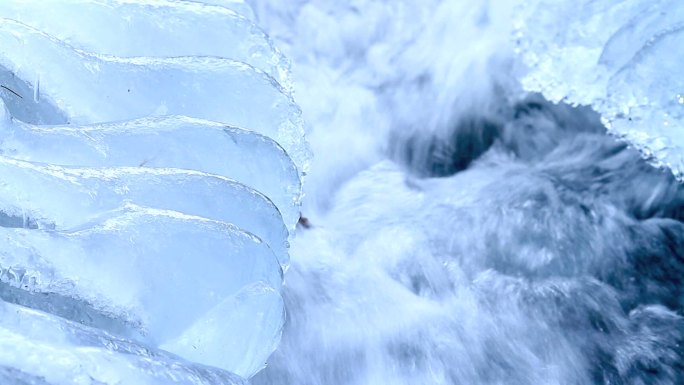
(623, 58)
(151, 155)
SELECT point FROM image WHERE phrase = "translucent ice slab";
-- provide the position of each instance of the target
(47, 196)
(622, 58)
(71, 86)
(241, 344)
(157, 28)
(179, 142)
(145, 274)
(38, 348)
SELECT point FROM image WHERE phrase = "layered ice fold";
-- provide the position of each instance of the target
(169, 141)
(40, 349)
(151, 156)
(154, 28)
(70, 86)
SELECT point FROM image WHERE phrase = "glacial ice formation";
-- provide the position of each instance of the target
(170, 141)
(153, 28)
(623, 58)
(239, 6)
(85, 193)
(38, 348)
(151, 157)
(71, 86)
(152, 251)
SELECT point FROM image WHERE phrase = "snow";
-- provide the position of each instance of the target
(621, 58)
(85, 193)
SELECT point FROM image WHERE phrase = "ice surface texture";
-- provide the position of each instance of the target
(75, 87)
(623, 58)
(67, 267)
(38, 348)
(151, 157)
(170, 141)
(153, 28)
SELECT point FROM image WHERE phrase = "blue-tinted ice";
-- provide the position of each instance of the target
(151, 157)
(623, 58)
(171, 141)
(146, 274)
(97, 27)
(38, 348)
(76, 87)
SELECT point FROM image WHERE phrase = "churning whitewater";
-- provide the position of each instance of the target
(459, 230)
(473, 215)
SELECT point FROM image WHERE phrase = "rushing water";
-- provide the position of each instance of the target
(460, 232)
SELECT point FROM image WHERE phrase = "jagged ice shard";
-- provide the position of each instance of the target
(623, 58)
(151, 157)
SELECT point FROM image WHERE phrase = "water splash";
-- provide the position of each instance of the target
(466, 234)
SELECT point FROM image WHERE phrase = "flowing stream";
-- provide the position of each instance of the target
(459, 231)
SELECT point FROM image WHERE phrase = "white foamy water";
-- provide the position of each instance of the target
(460, 231)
